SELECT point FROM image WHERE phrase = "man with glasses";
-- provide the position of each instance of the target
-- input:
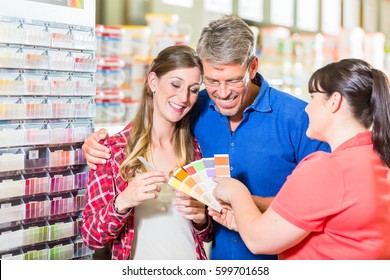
(262, 129)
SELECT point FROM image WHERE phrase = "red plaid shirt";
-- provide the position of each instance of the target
(101, 224)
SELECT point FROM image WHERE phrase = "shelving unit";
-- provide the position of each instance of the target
(47, 88)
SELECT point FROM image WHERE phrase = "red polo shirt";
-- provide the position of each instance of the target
(343, 198)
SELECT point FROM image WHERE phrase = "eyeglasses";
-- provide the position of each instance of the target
(229, 83)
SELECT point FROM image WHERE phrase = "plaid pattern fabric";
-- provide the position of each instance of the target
(102, 225)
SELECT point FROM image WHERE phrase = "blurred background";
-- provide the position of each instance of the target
(294, 37)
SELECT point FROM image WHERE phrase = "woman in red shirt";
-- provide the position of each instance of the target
(334, 205)
(130, 207)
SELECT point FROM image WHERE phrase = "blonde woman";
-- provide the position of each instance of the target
(129, 207)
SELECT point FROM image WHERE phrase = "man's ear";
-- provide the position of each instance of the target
(253, 68)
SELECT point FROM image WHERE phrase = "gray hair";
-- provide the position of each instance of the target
(226, 40)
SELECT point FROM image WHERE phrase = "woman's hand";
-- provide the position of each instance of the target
(224, 191)
(226, 187)
(191, 209)
(142, 187)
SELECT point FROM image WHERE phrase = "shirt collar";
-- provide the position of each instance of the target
(360, 139)
(262, 100)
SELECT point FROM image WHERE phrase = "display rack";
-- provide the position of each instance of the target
(47, 88)
(110, 75)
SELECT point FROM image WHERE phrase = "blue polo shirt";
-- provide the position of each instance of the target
(263, 150)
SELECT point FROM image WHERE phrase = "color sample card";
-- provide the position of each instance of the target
(196, 178)
(222, 165)
(147, 164)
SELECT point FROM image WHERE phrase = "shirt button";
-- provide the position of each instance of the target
(232, 144)
(235, 241)
(231, 167)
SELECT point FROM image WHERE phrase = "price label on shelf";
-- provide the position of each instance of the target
(33, 154)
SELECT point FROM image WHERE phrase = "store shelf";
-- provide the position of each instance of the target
(47, 88)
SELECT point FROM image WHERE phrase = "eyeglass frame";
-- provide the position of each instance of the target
(239, 83)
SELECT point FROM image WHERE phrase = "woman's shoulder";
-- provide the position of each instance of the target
(318, 158)
(118, 139)
(320, 164)
(197, 150)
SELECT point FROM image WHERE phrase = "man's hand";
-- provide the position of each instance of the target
(225, 218)
(94, 152)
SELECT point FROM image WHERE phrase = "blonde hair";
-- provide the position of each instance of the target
(139, 142)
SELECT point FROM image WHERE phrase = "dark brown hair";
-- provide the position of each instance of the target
(367, 92)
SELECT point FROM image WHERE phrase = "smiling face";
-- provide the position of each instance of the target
(230, 86)
(175, 93)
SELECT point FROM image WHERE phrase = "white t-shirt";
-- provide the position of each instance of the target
(160, 231)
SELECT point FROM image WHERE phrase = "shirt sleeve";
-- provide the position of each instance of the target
(312, 193)
(197, 150)
(101, 223)
(206, 234)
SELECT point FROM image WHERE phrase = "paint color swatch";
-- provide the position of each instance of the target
(196, 178)
(147, 164)
(222, 165)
